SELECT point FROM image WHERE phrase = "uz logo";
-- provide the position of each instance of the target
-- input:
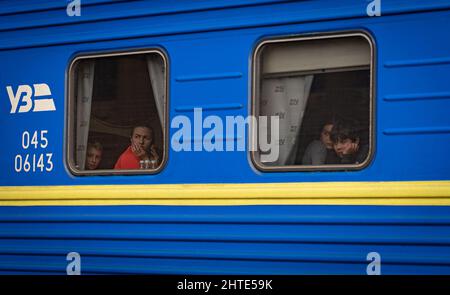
(23, 101)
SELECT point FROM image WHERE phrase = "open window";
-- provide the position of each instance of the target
(117, 113)
(320, 90)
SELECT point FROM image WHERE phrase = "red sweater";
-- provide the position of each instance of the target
(127, 160)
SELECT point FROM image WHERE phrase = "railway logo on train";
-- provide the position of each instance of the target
(28, 98)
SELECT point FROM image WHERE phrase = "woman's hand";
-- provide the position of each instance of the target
(139, 152)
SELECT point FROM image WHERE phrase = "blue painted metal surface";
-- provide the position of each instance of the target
(209, 45)
(206, 51)
(241, 239)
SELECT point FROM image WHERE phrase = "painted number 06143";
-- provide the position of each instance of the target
(33, 162)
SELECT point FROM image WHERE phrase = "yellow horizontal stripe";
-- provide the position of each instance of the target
(319, 193)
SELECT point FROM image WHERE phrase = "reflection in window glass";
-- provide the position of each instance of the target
(117, 113)
(320, 91)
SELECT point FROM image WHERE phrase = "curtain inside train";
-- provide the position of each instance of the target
(156, 71)
(286, 98)
(84, 102)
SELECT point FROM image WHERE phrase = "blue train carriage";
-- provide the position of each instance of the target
(225, 137)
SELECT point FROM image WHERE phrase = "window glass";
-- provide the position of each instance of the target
(316, 96)
(117, 113)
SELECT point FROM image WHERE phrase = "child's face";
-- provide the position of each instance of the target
(93, 158)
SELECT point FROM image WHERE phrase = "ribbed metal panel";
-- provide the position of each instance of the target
(113, 22)
(243, 239)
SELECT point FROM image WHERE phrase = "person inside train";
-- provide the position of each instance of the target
(142, 152)
(317, 150)
(347, 144)
(94, 154)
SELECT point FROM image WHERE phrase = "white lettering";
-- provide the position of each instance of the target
(241, 125)
(374, 267)
(74, 8)
(213, 139)
(198, 118)
(32, 162)
(374, 8)
(188, 285)
(74, 266)
(215, 133)
(181, 138)
(269, 151)
(24, 101)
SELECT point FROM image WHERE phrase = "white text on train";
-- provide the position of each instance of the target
(26, 98)
(267, 139)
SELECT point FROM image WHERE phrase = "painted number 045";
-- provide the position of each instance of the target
(36, 139)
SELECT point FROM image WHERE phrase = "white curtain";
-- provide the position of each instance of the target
(156, 71)
(286, 98)
(84, 101)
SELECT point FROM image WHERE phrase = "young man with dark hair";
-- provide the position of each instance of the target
(346, 137)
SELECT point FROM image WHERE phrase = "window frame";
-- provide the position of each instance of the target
(69, 127)
(255, 96)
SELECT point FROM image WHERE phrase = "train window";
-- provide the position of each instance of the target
(117, 113)
(313, 98)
